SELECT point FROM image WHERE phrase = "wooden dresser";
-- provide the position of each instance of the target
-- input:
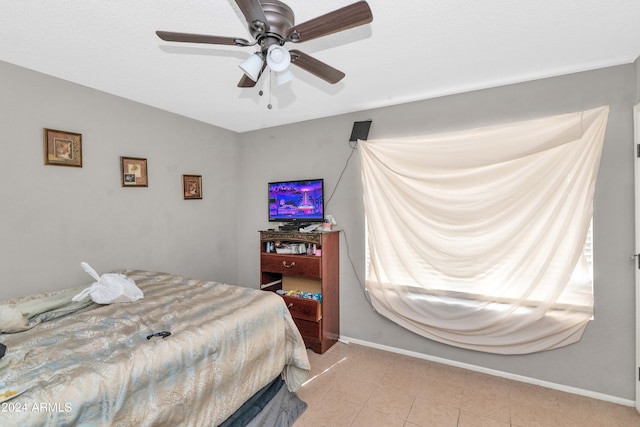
(293, 261)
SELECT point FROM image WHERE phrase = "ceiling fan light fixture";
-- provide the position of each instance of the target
(252, 66)
(284, 77)
(278, 58)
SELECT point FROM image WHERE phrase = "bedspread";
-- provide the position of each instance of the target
(97, 367)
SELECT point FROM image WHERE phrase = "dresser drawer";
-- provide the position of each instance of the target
(295, 265)
(302, 308)
(309, 330)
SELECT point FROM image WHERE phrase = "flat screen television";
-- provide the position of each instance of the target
(296, 201)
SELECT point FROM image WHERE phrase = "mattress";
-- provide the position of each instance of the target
(100, 366)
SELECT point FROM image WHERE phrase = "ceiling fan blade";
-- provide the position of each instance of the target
(201, 38)
(339, 20)
(316, 67)
(253, 12)
(246, 81)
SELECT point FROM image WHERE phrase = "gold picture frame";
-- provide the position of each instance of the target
(62, 148)
(192, 187)
(133, 172)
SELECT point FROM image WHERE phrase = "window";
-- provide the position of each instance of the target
(582, 275)
(481, 238)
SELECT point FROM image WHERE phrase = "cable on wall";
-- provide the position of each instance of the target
(360, 131)
(353, 150)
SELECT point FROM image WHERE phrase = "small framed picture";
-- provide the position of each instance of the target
(133, 172)
(192, 187)
(62, 148)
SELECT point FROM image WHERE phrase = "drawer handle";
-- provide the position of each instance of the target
(288, 265)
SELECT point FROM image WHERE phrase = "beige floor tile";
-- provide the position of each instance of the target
(441, 392)
(366, 370)
(408, 373)
(412, 384)
(526, 415)
(324, 362)
(411, 363)
(575, 406)
(488, 383)
(471, 420)
(428, 414)
(312, 397)
(317, 387)
(445, 373)
(393, 402)
(354, 390)
(332, 412)
(377, 356)
(534, 395)
(370, 418)
(480, 404)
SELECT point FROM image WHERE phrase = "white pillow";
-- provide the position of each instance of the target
(12, 320)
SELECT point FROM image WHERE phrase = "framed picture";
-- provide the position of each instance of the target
(133, 172)
(192, 186)
(62, 148)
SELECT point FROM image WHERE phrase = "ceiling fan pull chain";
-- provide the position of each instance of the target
(269, 106)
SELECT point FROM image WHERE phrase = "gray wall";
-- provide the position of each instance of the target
(603, 361)
(54, 217)
(637, 68)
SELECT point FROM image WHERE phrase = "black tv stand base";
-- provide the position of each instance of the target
(292, 227)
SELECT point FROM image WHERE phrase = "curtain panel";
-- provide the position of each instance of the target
(476, 237)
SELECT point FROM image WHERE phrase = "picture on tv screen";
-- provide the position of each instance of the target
(296, 201)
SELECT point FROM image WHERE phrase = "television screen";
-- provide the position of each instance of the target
(301, 201)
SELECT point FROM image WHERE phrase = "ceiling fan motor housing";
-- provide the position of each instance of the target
(280, 18)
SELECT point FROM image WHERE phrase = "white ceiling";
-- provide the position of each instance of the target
(413, 50)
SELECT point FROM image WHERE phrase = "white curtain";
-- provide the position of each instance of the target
(476, 237)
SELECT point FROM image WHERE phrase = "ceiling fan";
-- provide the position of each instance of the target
(272, 24)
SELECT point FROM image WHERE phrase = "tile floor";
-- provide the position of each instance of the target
(352, 385)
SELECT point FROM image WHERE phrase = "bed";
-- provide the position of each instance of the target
(100, 365)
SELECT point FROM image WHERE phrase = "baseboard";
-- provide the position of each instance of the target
(521, 378)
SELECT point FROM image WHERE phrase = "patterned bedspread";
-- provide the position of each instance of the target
(97, 368)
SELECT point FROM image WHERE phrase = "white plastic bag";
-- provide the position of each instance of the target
(109, 288)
